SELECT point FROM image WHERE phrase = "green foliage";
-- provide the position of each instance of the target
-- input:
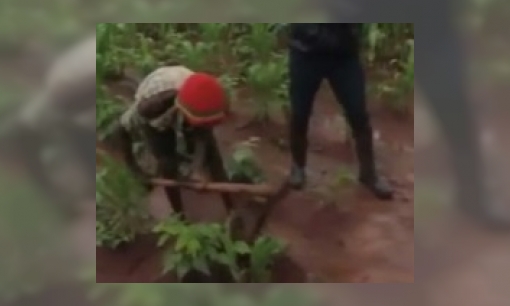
(384, 41)
(267, 81)
(247, 55)
(195, 55)
(262, 253)
(108, 111)
(212, 33)
(344, 177)
(389, 52)
(397, 87)
(252, 66)
(198, 247)
(230, 83)
(120, 212)
(243, 164)
(259, 41)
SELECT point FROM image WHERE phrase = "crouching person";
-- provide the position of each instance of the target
(175, 111)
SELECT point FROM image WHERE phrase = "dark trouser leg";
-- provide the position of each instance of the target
(217, 168)
(347, 80)
(163, 145)
(306, 74)
(170, 171)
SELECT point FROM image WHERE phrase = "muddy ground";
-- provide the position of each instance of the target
(336, 232)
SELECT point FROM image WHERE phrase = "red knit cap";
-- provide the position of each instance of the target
(202, 99)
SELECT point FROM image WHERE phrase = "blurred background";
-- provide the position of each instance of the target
(47, 256)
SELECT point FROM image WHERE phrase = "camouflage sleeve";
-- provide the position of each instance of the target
(127, 120)
(155, 96)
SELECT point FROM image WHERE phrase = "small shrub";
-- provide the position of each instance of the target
(200, 247)
(398, 83)
(344, 177)
(108, 110)
(268, 84)
(195, 56)
(262, 255)
(243, 165)
(120, 212)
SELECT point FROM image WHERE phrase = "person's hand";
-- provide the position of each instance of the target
(201, 178)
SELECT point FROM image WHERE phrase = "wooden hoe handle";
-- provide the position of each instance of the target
(258, 190)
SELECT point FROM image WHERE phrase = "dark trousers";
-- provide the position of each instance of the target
(346, 77)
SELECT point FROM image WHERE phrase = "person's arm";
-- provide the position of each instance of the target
(121, 139)
(126, 146)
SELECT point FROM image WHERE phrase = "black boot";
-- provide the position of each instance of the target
(368, 176)
(298, 147)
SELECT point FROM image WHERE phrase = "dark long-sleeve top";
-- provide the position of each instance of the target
(326, 38)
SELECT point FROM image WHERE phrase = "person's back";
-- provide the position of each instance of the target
(174, 112)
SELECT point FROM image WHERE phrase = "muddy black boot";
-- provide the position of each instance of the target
(297, 179)
(298, 147)
(368, 176)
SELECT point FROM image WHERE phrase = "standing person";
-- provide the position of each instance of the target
(330, 51)
(175, 111)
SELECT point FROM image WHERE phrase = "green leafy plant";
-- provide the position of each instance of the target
(108, 110)
(252, 65)
(248, 54)
(230, 83)
(408, 74)
(268, 82)
(144, 58)
(259, 41)
(120, 212)
(344, 177)
(197, 247)
(374, 35)
(397, 88)
(243, 165)
(201, 247)
(212, 33)
(262, 255)
(195, 56)
(116, 48)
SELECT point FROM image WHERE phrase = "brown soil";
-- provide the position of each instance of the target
(336, 233)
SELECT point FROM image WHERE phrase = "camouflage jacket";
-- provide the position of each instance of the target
(151, 91)
(160, 85)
